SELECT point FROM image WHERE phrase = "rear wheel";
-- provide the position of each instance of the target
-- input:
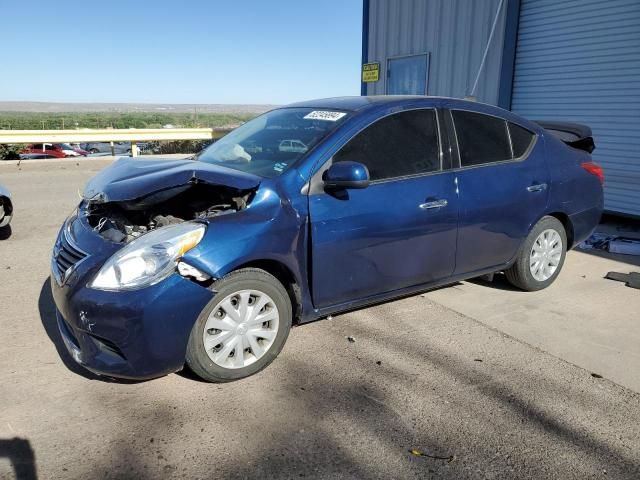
(94, 150)
(541, 256)
(242, 329)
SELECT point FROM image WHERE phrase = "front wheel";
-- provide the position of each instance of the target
(242, 329)
(541, 256)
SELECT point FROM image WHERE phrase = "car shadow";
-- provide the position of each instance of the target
(47, 310)
(188, 374)
(21, 456)
(499, 282)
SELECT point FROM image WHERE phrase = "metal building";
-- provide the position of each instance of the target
(544, 59)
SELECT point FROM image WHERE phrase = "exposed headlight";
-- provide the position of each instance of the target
(148, 259)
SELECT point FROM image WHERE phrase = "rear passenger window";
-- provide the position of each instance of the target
(401, 144)
(481, 138)
(521, 138)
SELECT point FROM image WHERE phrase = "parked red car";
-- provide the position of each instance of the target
(58, 150)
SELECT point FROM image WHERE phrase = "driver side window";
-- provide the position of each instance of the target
(399, 145)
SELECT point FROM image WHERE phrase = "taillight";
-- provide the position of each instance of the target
(594, 169)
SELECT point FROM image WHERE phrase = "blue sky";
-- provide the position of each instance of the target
(226, 51)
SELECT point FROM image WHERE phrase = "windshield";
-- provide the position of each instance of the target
(65, 146)
(271, 143)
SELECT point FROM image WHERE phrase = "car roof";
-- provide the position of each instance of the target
(361, 104)
(355, 103)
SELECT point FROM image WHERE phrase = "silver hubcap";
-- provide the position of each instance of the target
(241, 329)
(545, 255)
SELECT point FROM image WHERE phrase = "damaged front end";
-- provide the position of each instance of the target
(133, 197)
(123, 221)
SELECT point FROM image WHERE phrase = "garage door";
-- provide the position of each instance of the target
(580, 60)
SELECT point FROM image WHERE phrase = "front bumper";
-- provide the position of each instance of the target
(136, 334)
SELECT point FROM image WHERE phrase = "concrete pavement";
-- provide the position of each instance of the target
(582, 318)
(420, 376)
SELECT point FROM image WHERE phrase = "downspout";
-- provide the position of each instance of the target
(507, 67)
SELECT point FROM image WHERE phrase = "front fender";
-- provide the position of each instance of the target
(270, 228)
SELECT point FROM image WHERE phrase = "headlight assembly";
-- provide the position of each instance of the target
(148, 259)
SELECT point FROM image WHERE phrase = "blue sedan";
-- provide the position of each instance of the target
(209, 261)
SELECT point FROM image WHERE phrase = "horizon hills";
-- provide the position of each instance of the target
(129, 107)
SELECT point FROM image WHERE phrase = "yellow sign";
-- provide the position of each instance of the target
(371, 72)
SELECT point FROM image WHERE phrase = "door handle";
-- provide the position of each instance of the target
(434, 204)
(538, 187)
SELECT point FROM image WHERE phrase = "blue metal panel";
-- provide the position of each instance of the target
(454, 32)
(580, 60)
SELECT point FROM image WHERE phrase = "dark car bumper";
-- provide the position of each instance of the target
(136, 334)
(584, 223)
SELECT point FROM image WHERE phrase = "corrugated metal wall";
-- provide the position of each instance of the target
(580, 60)
(454, 32)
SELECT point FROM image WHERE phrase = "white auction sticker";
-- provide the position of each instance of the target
(324, 115)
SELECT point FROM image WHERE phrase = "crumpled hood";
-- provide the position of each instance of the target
(129, 178)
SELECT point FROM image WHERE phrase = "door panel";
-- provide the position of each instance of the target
(382, 238)
(498, 205)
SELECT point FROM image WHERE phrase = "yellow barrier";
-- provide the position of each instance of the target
(132, 135)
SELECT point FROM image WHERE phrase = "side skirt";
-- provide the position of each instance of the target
(317, 314)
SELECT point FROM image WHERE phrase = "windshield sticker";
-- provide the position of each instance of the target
(279, 167)
(324, 115)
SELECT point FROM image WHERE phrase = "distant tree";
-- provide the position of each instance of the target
(10, 152)
(35, 121)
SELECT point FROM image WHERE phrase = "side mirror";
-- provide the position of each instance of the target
(347, 174)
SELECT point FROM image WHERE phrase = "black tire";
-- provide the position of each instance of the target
(245, 279)
(519, 274)
(94, 151)
(6, 213)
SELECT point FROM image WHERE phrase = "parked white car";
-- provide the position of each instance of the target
(68, 150)
(295, 146)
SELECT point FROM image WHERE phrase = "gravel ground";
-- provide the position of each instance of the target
(475, 402)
